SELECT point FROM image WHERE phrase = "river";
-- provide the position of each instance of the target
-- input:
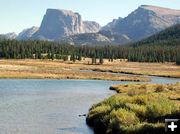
(52, 106)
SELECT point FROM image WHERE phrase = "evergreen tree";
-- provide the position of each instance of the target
(161, 52)
(73, 58)
(101, 61)
(52, 56)
(49, 55)
(79, 57)
(178, 59)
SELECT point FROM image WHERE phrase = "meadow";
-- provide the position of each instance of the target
(58, 69)
(48, 69)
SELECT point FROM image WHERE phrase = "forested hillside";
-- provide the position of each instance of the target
(170, 36)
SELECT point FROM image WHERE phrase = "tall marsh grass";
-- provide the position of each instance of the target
(137, 113)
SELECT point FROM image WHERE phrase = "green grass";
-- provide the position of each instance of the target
(137, 113)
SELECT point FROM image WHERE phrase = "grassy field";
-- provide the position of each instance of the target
(136, 109)
(41, 69)
(48, 69)
(151, 69)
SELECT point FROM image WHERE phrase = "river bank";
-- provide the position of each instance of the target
(136, 108)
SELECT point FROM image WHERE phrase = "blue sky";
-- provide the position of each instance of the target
(15, 15)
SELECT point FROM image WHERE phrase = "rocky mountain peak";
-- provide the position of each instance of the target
(10, 36)
(145, 21)
(112, 24)
(59, 23)
(91, 26)
(63, 12)
(160, 10)
(27, 33)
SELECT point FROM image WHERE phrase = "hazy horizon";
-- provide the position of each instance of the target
(25, 14)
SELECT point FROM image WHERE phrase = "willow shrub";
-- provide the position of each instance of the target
(130, 114)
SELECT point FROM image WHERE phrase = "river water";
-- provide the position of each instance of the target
(52, 106)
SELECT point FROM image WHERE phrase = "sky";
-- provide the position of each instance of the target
(16, 15)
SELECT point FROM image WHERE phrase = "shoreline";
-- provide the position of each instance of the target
(38, 78)
(135, 74)
(143, 105)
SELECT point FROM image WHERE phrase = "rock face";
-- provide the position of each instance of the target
(100, 38)
(145, 21)
(91, 26)
(111, 25)
(115, 38)
(86, 39)
(59, 23)
(27, 33)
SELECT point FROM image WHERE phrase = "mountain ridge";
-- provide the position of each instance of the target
(161, 10)
(145, 21)
(27, 33)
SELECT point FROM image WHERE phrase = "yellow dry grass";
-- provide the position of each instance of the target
(41, 69)
(153, 69)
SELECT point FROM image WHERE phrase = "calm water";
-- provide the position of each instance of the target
(51, 106)
(48, 106)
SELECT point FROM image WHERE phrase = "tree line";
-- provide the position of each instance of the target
(13, 49)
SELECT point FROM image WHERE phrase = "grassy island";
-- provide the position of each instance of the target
(136, 108)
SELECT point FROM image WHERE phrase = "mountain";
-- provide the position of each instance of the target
(100, 38)
(91, 26)
(111, 25)
(10, 36)
(59, 23)
(145, 21)
(169, 36)
(27, 33)
(116, 38)
(65, 25)
(1, 37)
(86, 39)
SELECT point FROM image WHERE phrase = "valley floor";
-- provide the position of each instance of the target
(57, 69)
(142, 105)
